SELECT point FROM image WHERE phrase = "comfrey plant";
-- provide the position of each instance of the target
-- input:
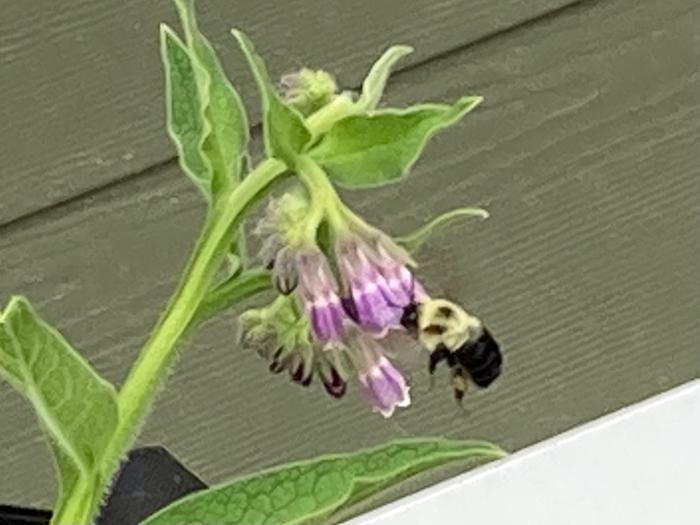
(340, 287)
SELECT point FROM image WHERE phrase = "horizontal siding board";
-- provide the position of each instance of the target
(82, 99)
(585, 152)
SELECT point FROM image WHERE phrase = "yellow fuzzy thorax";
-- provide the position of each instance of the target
(442, 321)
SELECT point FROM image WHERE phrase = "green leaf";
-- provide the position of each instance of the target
(75, 407)
(375, 81)
(311, 491)
(370, 150)
(285, 133)
(187, 125)
(227, 137)
(412, 241)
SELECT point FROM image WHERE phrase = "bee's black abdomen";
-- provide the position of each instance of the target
(488, 374)
(481, 358)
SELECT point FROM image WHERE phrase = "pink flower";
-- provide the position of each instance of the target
(319, 293)
(384, 385)
(377, 282)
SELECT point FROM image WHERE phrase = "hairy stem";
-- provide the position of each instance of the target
(78, 504)
(150, 367)
(149, 371)
(324, 198)
(323, 119)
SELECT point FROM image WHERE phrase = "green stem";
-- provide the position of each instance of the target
(322, 120)
(79, 503)
(151, 367)
(324, 198)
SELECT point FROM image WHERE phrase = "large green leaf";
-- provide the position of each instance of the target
(187, 124)
(374, 149)
(312, 491)
(285, 133)
(75, 407)
(227, 138)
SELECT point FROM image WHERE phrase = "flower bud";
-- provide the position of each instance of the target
(308, 90)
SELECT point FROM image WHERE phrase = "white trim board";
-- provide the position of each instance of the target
(637, 466)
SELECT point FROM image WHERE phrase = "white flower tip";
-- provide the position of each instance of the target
(403, 403)
(390, 411)
(406, 401)
(386, 413)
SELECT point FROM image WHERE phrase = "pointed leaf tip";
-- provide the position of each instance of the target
(226, 134)
(414, 240)
(375, 82)
(284, 130)
(185, 116)
(380, 147)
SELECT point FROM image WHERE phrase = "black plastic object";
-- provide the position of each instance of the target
(148, 480)
(10, 515)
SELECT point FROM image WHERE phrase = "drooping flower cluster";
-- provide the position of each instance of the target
(338, 303)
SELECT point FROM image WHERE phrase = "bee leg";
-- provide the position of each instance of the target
(431, 383)
(441, 353)
(459, 384)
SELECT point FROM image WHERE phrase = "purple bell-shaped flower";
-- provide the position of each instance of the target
(377, 281)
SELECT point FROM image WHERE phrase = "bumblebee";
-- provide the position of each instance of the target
(451, 334)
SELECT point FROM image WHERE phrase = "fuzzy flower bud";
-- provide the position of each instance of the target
(282, 336)
(308, 90)
(282, 230)
(279, 334)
